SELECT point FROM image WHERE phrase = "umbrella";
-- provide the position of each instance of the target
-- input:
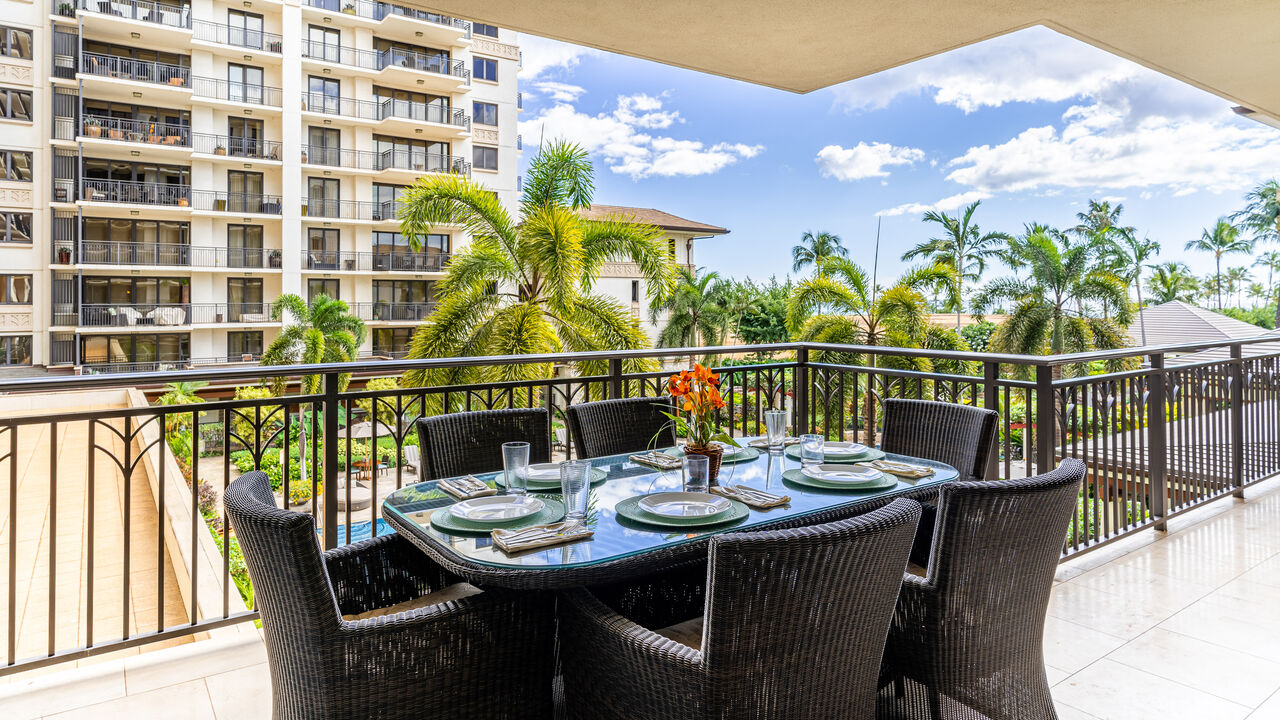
(365, 430)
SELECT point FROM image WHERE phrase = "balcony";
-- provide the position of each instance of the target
(175, 16)
(348, 261)
(135, 193)
(173, 315)
(236, 147)
(380, 11)
(235, 203)
(239, 37)
(236, 92)
(378, 61)
(380, 110)
(98, 127)
(391, 312)
(95, 252)
(413, 161)
(123, 68)
(349, 210)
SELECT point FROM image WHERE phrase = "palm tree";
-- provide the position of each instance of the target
(324, 331)
(1101, 222)
(1271, 261)
(525, 286)
(1125, 255)
(1261, 214)
(963, 247)
(696, 316)
(814, 247)
(1223, 239)
(1237, 279)
(1258, 294)
(181, 392)
(1170, 281)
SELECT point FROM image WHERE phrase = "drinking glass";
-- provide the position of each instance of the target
(811, 449)
(575, 486)
(775, 427)
(515, 460)
(697, 473)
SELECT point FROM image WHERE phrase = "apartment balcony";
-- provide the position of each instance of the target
(236, 37)
(139, 254)
(391, 114)
(375, 61)
(116, 67)
(357, 210)
(148, 316)
(124, 132)
(398, 19)
(391, 311)
(236, 93)
(140, 23)
(129, 192)
(235, 148)
(221, 201)
(146, 11)
(351, 261)
(369, 160)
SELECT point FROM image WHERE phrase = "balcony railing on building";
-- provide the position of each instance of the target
(101, 252)
(352, 261)
(172, 314)
(144, 71)
(243, 147)
(178, 16)
(224, 34)
(391, 311)
(415, 160)
(237, 92)
(378, 111)
(110, 367)
(135, 193)
(135, 131)
(381, 10)
(382, 59)
(349, 209)
(235, 202)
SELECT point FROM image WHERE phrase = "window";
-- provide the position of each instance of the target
(244, 83)
(95, 290)
(484, 113)
(323, 199)
(484, 69)
(15, 104)
(385, 198)
(125, 117)
(323, 249)
(17, 165)
(484, 158)
(324, 95)
(671, 247)
(407, 154)
(414, 57)
(244, 343)
(15, 350)
(323, 44)
(17, 227)
(244, 191)
(16, 289)
(391, 251)
(324, 146)
(244, 300)
(316, 287)
(392, 342)
(244, 247)
(402, 299)
(244, 29)
(128, 348)
(244, 137)
(15, 43)
(144, 238)
(482, 29)
(635, 291)
(412, 105)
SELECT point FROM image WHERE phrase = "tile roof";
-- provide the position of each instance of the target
(664, 220)
(1177, 322)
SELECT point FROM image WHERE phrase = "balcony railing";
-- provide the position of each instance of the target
(418, 161)
(391, 312)
(383, 59)
(173, 314)
(241, 147)
(133, 192)
(224, 34)
(353, 261)
(135, 131)
(381, 10)
(349, 209)
(232, 202)
(123, 68)
(379, 110)
(237, 92)
(169, 365)
(178, 16)
(96, 252)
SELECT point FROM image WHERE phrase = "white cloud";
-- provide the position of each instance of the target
(558, 91)
(541, 55)
(623, 138)
(946, 204)
(864, 160)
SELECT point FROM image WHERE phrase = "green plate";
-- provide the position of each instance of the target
(744, 454)
(631, 510)
(793, 451)
(597, 476)
(797, 476)
(444, 521)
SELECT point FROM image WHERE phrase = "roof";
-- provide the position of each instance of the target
(664, 220)
(1177, 322)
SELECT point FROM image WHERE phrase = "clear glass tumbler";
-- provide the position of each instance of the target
(775, 428)
(515, 462)
(811, 449)
(575, 486)
(697, 473)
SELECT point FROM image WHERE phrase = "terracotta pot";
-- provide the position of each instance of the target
(714, 453)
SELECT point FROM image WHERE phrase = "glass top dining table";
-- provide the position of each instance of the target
(621, 548)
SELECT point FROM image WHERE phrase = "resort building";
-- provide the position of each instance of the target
(172, 168)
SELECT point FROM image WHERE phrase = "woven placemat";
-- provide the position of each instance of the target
(744, 454)
(444, 521)
(793, 452)
(797, 476)
(631, 510)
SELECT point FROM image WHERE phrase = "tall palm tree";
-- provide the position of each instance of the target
(696, 317)
(1261, 214)
(1170, 281)
(1258, 294)
(1237, 279)
(324, 331)
(525, 285)
(814, 247)
(1101, 222)
(1126, 256)
(1223, 239)
(963, 247)
(1271, 261)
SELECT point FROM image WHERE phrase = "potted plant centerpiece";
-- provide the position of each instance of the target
(697, 408)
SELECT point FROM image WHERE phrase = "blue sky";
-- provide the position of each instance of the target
(1033, 124)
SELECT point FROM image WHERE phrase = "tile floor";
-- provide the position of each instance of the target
(1170, 626)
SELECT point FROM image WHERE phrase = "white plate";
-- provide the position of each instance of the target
(851, 474)
(840, 447)
(684, 504)
(542, 471)
(496, 508)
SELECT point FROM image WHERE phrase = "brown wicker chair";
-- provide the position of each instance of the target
(961, 436)
(967, 639)
(794, 622)
(471, 442)
(486, 655)
(612, 427)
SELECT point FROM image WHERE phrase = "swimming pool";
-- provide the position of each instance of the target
(362, 531)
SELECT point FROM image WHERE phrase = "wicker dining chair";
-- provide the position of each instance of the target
(471, 442)
(792, 623)
(376, 630)
(967, 639)
(961, 436)
(613, 427)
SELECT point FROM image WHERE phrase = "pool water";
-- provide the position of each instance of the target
(362, 531)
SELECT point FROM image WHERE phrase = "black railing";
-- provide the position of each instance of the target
(383, 59)
(136, 131)
(173, 314)
(237, 92)
(381, 10)
(243, 147)
(133, 192)
(104, 252)
(233, 202)
(391, 311)
(349, 209)
(123, 68)
(224, 34)
(178, 16)
(415, 160)
(379, 110)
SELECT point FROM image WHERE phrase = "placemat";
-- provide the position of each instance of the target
(797, 476)
(631, 510)
(444, 521)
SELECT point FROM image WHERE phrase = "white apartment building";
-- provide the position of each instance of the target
(170, 169)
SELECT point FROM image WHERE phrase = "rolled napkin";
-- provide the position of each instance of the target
(536, 536)
(662, 461)
(763, 443)
(899, 469)
(750, 496)
(465, 488)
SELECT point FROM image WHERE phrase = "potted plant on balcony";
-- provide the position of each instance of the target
(697, 401)
(274, 258)
(183, 201)
(65, 9)
(220, 150)
(64, 255)
(349, 8)
(115, 133)
(91, 127)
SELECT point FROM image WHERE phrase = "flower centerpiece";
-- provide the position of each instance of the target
(697, 407)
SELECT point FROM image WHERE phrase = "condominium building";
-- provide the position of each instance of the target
(171, 169)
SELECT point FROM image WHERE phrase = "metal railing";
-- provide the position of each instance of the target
(136, 131)
(355, 261)
(230, 202)
(134, 192)
(379, 110)
(238, 92)
(123, 68)
(349, 209)
(172, 314)
(380, 10)
(419, 161)
(178, 16)
(378, 60)
(391, 311)
(101, 252)
(242, 147)
(224, 34)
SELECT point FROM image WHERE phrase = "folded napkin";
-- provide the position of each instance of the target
(764, 442)
(465, 488)
(662, 461)
(536, 536)
(750, 496)
(899, 469)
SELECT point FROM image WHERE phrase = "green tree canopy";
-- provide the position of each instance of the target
(323, 332)
(962, 247)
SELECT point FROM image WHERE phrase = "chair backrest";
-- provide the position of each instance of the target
(959, 435)
(471, 442)
(412, 458)
(291, 586)
(796, 620)
(612, 427)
